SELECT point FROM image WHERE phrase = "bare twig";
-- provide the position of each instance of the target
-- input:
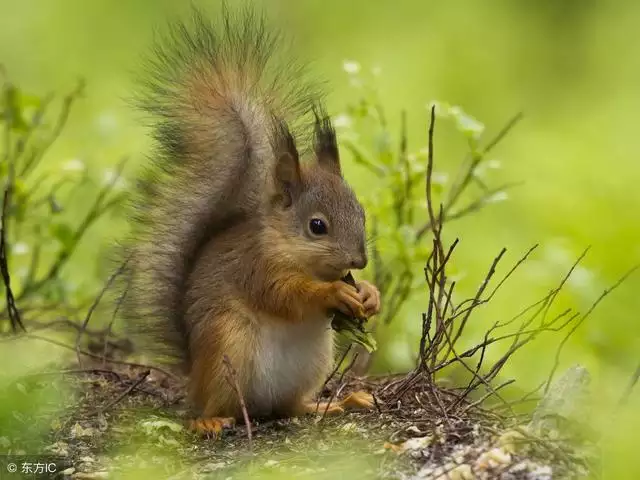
(465, 179)
(481, 400)
(513, 121)
(99, 357)
(57, 130)
(100, 205)
(606, 292)
(109, 329)
(141, 378)
(232, 378)
(340, 380)
(79, 371)
(432, 124)
(14, 313)
(94, 306)
(333, 372)
(632, 383)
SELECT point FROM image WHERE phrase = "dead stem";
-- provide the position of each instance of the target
(232, 378)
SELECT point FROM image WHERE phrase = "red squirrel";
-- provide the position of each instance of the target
(242, 241)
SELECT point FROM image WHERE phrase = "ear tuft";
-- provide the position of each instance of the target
(287, 169)
(326, 144)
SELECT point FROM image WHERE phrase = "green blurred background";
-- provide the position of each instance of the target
(570, 65)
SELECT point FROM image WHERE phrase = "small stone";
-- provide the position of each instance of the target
(213, 466)
(415, 444)
(509, 440)
(349, 427)
(541, 473)
(78, 431)
(461, 472)
(493, 458)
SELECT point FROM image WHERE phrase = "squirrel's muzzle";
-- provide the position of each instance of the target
(359, 261)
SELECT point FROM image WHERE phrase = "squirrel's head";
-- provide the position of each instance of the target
(316, 210)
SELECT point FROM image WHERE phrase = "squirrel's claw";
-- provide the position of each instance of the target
(211, 427)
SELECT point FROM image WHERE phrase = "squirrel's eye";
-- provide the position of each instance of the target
(317, 226)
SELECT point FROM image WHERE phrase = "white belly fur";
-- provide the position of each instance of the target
(289, 360)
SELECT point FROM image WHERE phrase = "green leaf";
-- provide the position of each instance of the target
(158, 424)
(29, 101)
(63, 233)
(12, 109)
(361, 338)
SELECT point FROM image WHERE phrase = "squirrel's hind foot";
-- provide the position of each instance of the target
(359, 400)
(211, 427)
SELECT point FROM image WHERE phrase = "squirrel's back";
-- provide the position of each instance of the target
(217, 94)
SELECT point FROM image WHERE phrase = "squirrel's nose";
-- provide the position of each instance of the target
(359, 261)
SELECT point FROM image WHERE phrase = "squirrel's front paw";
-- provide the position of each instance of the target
(370, 297)
(345, 298)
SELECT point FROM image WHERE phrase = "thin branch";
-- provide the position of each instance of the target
(79, 371)
(432, 122)
(232, 378)
(99, 207)
(632, 383)
(467, 176)
(334, 371)
(141, 378)
(335, 392)
(95, 305)
(109, 329)
(99, 357)
(479, 292)
(503, 132)
(14, 314)
(488, 395)
(606, 292)
(57, 130)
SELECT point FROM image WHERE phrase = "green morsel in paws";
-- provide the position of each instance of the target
(353, 328)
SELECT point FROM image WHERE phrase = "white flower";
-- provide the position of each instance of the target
(20, 248)
(455, 110)
(107, 123)
(342, 121)
(74, 165)
(109, 177)
(498, 197)
(351, 67)
(581, 277)
(439, 178)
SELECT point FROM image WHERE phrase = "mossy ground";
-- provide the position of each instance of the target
(123, 422)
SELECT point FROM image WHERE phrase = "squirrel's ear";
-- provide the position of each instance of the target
(287, 172)
(288, 177)
(326, 144)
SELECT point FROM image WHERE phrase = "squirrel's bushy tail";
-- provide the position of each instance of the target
(213, 90)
